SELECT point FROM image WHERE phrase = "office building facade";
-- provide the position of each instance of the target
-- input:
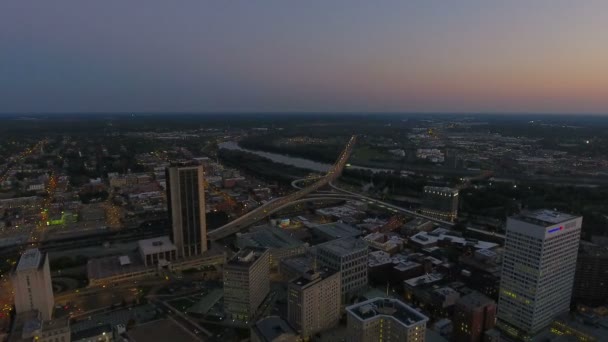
(474, 314)
(440, 203)
(246, 283)
(313, 302)
(349, 257)
(591, 281)
(538, 270)
(32, 284)
(186, 207)
(384, 319)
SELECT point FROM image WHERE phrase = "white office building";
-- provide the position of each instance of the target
(538, 270)
(349, 257)
(32, 284)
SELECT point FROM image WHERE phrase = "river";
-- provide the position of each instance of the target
(293, 161)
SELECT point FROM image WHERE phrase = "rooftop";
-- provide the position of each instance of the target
(474, 300)
(337, 230)
(156, 245)
(246, 256)
(269, 237)
(544, 217)
(31, 259)
(385, 307)
(272, 328)
(105, 267)
(439, 189)
(344, 246)
(311, 276)
(431, 238)
(428, 278)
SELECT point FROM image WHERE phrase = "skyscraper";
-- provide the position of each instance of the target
(474, 314)
(32, 284)
(186, 206)
(538, 270)
(246, 282)
(313, 301)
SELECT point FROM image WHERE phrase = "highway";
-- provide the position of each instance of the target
(270, 207)
(391, 207)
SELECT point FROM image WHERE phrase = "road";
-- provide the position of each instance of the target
(389, 206)
(266, 209)
(181, 319)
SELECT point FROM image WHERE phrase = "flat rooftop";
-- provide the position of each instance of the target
(156, 245)
(272, 328)
(312, 277)
(440, 189)
(544, 217)
(269, 237)
(160, 331)
(387, 307)
(110, 266)
(31, 259)
(431, 238)
(246, 256)
(424, 279)
(474, 300)
(344, 246)
(337, 230)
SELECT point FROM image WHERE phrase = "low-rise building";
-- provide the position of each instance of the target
(280, 243)
(273, 329)
(384, 319)
(157, 251)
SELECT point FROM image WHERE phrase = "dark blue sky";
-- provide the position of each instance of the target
(279, 55)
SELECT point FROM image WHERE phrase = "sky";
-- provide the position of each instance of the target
(515, 56)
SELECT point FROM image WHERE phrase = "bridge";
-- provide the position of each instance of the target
(268, 208)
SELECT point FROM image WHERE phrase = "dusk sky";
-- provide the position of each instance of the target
(546, 56)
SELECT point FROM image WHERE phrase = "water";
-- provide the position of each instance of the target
(293, 161)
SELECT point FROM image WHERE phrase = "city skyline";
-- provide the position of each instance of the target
(516, 57)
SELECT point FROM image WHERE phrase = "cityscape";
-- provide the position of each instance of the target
(320, 172)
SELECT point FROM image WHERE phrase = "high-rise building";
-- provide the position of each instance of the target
(440, 202)
(186, 206)
(32, 284)
(538, 270)
(246, 282)
(384, 319)
(474, 314)
(591, 281)
(349, 257)
(313, 302)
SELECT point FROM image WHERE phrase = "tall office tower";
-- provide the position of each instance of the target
(591, 280)
(349, 257)
(313, 302)
(32, 284)
(440, 202)
(246, 282)
(384, 319)
(474, 314)
(538, 270)
(186, 206)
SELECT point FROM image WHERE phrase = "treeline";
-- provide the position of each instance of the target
(261, 167)
(323, 153)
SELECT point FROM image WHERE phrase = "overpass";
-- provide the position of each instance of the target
(268, 208)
